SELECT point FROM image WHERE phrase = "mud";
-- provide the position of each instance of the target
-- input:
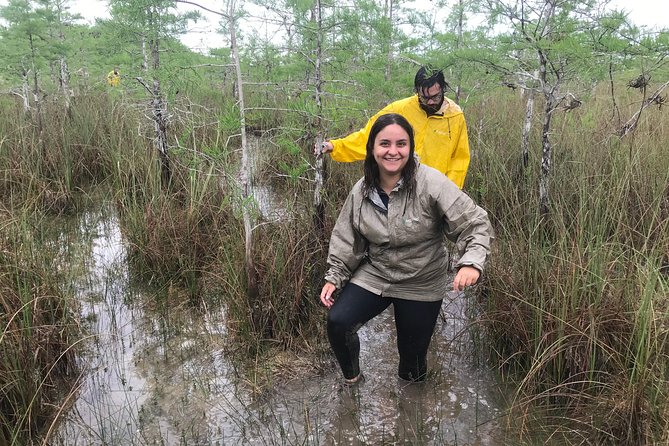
(156, 373)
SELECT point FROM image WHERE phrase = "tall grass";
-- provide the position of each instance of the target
(38, 326)
(41, 175)
(189, 234)
(576, 306)
(185, 235)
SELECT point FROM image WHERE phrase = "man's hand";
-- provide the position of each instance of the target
(324, 147)
(466, 276)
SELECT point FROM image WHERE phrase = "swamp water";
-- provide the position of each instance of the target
(160, 376)
(157, 376)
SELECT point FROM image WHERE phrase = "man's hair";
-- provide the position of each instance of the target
(427, 76)
(371, 167)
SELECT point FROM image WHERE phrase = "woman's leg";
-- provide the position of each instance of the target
(352, 309)
(415, 323)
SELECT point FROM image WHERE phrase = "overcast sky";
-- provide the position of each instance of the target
(651, 13)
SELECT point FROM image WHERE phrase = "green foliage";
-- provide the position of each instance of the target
(229, 120)
(575, 302)
(289, 146)
(300, 6)
(296, 166)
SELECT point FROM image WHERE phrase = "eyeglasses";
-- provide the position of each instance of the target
(435, 98)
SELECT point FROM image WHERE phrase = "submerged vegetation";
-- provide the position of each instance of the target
(573, 309)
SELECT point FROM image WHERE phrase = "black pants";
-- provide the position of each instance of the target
(414, 322)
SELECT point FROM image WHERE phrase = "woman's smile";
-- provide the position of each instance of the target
(391, 151)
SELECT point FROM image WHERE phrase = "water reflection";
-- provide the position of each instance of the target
(112, 392)
(453, 407)
(157, 374)
(270, 207)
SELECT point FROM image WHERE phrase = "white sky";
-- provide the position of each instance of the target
(650, 13)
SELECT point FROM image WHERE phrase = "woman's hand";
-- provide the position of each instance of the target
(466, 276)
(326, 294)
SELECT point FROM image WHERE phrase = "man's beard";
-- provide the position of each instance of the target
(432, 109)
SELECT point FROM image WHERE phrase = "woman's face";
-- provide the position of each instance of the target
(391, 150)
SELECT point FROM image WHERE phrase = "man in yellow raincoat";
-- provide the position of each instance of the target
(114, 77)
(438, 123)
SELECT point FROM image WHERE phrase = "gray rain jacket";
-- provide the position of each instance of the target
(399, 251)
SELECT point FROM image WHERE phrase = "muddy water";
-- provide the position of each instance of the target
(156, 374)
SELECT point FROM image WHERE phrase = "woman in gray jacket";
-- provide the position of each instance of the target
(387, 248)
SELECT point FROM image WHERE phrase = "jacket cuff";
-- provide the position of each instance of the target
(338, 280)
(475, 258)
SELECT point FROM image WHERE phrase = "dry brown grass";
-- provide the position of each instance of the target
(576, 303)
(37, 330)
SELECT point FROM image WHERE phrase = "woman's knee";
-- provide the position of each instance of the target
(341, 323)
(337, 322)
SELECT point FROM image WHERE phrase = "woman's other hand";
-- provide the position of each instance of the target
(326, 294)
(466, 276)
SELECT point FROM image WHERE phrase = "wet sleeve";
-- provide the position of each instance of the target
(467, 225)
(347, 247)
(457, 167)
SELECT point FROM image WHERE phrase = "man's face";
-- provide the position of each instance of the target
(431, 99)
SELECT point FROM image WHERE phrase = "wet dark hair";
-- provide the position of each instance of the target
(371, 168)
(427, 77)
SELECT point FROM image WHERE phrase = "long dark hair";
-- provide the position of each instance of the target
(371, 166)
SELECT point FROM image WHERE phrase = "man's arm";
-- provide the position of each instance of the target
(354, 146)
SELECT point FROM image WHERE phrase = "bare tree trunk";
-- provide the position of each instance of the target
(245, 174)
(546, 146)
(615, 110)
(389, 60)
(36, 97)
(25, 90)
(64, 77)
(527, 128)
(321, 171)
(65, 83)
(546, 161)
(461, 13)
(550, 95)
(145, 55)
(159, 112)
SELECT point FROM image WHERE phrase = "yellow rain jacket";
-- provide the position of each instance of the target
(113, 78)
(441, 139)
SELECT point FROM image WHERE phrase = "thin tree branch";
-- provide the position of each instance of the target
(202, 7)
(208, 65)
(631, 124)
(143, 84)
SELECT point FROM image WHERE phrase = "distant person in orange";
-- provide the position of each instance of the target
(114, 77)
